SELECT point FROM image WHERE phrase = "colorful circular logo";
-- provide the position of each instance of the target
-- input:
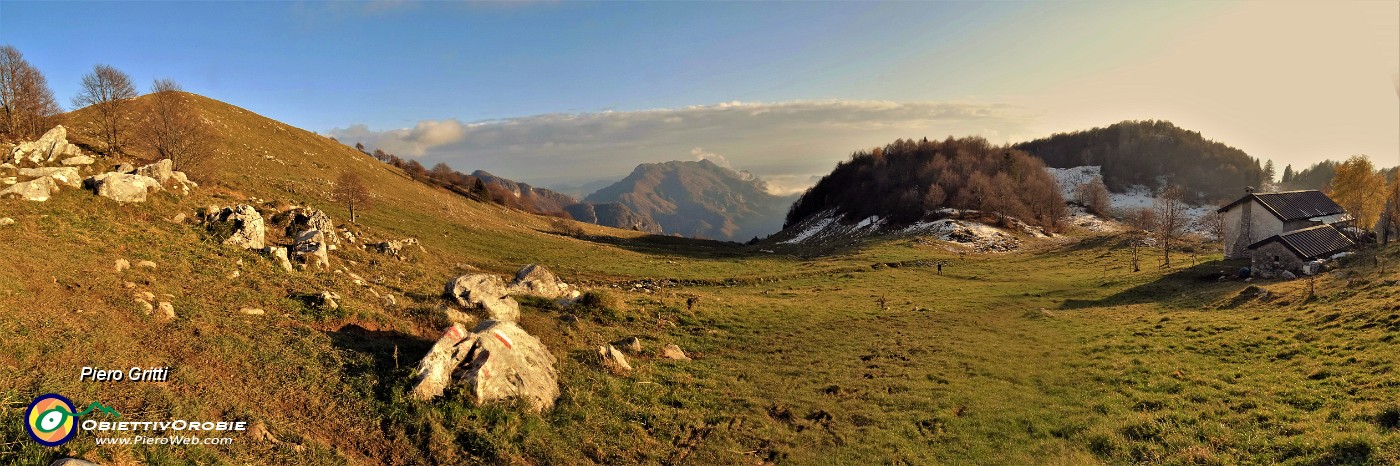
(50, 420)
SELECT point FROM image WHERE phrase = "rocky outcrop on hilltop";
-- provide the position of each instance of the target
(58, 163)
(53, 146)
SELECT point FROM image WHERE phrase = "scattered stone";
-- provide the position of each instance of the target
(146, 296)
(7, 221)
(122, 187)
(483, 291)
(568, 319)
(67, 176)
(535, 279)
(279, 254)
(178, 218)
(52, 145)
(1286, 275)
(167, 310)
(631, 345)
(251, 311)
(242, 223)
(36, 190)
(258, 431)
(674, 352)
(310, 249)
(124, 168)
(327, 300)
(145, 306)
(613, 361)
(79, 160)
(129, 285)
(394, 247)
(389, 301)
(233, 274)
(146, 264)
(121, 265)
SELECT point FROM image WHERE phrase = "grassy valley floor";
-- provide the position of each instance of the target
(1057, 354)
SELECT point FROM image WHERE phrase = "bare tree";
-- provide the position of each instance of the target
(352, 191)
(25, 98)
(1170, 219)
(109, 92)
(173, 128)
(1141, 223)
(1093, 196)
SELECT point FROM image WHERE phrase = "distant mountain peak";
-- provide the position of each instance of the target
(699, 198)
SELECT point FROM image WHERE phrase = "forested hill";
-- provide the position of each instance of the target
(906, 180)
(1153, 153)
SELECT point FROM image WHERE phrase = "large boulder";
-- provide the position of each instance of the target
(311, 249)
(486, 292)
(535, 279)
(498, 361)
(162, 171)
(38, 190)
(242, 223)
(122, 187)
(62, 175)
(313, 219)
(51, 146)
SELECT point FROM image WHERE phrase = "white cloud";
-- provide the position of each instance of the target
(783, 142)
(702, 154)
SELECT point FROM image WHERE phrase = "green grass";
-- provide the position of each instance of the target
(1053, 355)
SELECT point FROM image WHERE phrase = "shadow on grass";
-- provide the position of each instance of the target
(386, 356)
(1188, 286)
(670, 245)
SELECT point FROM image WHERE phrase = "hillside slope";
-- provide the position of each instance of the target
(1052, 355)
(699, 199)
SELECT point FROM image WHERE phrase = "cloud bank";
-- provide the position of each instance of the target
(786, 143)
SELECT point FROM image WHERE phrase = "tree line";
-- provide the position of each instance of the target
(466, 185)
(165, 126)
(1154, 154)
(907, 180)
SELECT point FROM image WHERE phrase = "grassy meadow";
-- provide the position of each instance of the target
(1055, 354)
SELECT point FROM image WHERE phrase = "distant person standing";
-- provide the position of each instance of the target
(940, 267)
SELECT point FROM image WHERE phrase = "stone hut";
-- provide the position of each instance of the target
(1289, 251)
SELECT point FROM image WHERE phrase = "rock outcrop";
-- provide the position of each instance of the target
(37, 190)
(394, 247)
(498, 361)
(279, 254)
(536, 280)
(312, 219)
(311, 250)
(242, 224)
(67, 176)
(485, 292)
(122, 187)
(78, 161)
(53, 145)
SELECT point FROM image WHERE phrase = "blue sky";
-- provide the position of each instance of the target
(565, 92)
